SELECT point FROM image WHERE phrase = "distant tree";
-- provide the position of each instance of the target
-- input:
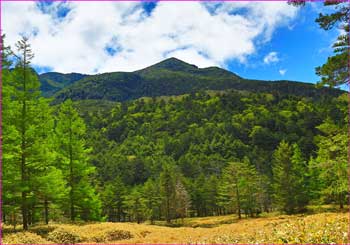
(152, 197)
(301, 182)
(167, 191)
(113, 197)
(289, 177)
(135, 204)
(182, 198)
(240, 180)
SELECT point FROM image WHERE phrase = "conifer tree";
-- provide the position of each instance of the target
(332, 162)
(240, 181)
(73, 157)
(152, 199)
(289, 178)
(167, 190)
(21, 95)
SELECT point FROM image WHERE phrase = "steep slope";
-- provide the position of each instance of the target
(51, 82)
(175, 77)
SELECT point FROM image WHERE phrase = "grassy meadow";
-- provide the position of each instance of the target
(318, 228)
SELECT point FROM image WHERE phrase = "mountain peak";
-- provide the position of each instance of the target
(173, 64)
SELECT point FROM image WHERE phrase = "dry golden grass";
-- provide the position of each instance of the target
(296, 229)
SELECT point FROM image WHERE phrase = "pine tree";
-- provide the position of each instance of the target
(113, 197)
(136, 204)
(332, 162)
(283, 178)
(22, 93)
(290, 178)
(152, 199)
(167, 191)
(11, 182)
(240, 181)
(49, 183)
(74, 162)
(301, 179)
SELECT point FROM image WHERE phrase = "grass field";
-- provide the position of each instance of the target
(328, 227)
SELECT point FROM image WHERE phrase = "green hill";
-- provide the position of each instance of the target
(52, 82)
(169, 77)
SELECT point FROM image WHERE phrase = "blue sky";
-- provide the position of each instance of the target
(257, 40)
(300, 49)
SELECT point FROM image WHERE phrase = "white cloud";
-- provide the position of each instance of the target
(198, 33)
(282, 71)
(271, 57)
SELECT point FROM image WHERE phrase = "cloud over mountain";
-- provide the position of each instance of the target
(91, 37)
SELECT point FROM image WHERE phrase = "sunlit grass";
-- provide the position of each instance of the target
(329, 227)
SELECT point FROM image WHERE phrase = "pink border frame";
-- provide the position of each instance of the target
(1, 45)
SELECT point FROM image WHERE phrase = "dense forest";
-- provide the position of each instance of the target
(165, 158)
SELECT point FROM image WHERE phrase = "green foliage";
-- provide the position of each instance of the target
(198, 154)
(74, 160)
(335, 71)
(289, 176)
(52, 82)
(241, 186)
(332, 162)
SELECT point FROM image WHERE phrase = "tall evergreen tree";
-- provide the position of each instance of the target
(153, 199)
(22, 91)
(289, 178)
(332, 162)
(74, 162)
(167, 190)
(240, 180)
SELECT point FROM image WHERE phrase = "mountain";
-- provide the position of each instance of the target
(169, 77)
(51, 82)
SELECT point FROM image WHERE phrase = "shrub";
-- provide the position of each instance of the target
(24, 238)
(63, 236)
(42, 230)
(113, 235)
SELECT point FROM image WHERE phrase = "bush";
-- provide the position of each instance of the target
(42, 230)
(113, 235)
(63, 236)
(24, 238)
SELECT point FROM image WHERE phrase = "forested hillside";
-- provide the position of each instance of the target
(169, 77)
(52, 82)
(163, 158)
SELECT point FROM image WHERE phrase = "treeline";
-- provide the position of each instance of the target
(228, 152)
(206, 153)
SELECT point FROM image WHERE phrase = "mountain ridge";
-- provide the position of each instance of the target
(168, 77)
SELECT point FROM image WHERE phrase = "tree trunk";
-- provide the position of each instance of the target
(23, 161)
(238, 202)
(71, 179)
(46, 203)
(341, 204)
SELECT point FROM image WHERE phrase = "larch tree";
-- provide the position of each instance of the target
(73, 156)
(332, 161)
(49, 185)
(167, 191)
(240, 181)
(23, 89)
(289, 178)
